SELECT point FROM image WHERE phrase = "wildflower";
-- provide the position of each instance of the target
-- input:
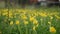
(57, 17)
(49, 22)
(37, 25)
(31, 18)
(11, 23)
(5, 10)
(6, 13)
(41, 19)
(51, 17)
(24, 17)
(10, 15)
(52, 30)
(35, 22)
(43, 14)
(25, 22)
(17, 22)
(34, 28)
(36, 14)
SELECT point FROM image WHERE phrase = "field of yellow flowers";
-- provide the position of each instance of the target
(26, 21)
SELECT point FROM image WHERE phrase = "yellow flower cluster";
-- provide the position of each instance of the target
(43, 14)
(52, 30)
(32, 18)
(10, 15)
(17, 22)
(57, 17)
(24, 16)
(35, 22)
(27, 16)
(4, 12)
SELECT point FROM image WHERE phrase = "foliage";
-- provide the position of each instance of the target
(29, 21)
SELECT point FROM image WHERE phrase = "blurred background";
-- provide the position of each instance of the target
(28, 3)
(29, 16)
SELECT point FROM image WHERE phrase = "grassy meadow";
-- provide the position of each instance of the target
(30, 21)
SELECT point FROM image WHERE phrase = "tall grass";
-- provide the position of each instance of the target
(30, 21)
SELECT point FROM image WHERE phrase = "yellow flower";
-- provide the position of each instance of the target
(49, 22)
(34, 28)
(57, 17)
(31, 18)
(25, 22)
(6, 13)
(41, 19)
(51, 17)
(37, 25)
(17, 22)
(11, 23)
(43, 14)
(36, 14)
(35, 22)
(5, 10)
(10, 15)
(24, 17)
(52, 30)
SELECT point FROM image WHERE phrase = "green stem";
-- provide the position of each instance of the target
(26, 29)
(19, 28)
(34, 32)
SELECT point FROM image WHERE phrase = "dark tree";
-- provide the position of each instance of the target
(8, 3)
(23, 2)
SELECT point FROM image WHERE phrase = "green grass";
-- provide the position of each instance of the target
(21, 28)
